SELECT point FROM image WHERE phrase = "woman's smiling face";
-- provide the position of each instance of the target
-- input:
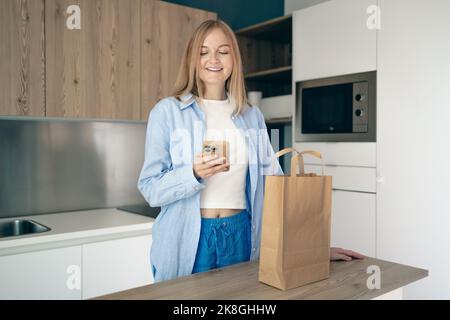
(216, 62)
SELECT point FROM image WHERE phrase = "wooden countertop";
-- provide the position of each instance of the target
(347, 281)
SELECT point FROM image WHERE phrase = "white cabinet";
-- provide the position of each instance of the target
(47, 274)
(360, 154)
(116, 265)
(77, 272)
(332, 38)
(348, 178)
(413, 138)
(353, 219)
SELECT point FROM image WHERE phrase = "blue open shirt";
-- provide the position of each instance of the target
(175, 132)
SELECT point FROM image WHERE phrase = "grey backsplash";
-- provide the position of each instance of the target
(52, 165)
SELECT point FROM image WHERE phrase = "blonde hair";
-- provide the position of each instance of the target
(188, 80)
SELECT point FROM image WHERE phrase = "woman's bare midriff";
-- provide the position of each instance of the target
(218, 213)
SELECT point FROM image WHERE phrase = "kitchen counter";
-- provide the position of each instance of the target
(77, 227)
(348, 280)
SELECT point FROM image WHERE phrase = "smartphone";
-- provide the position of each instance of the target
(218, 148)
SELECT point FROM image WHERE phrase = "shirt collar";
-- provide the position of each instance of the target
(188, 100)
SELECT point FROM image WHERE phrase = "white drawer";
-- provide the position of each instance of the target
(353, 221)
(348, 178)
(116, 265)
(360, 154)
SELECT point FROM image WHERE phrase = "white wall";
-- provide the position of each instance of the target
(292, 5)
(413, 142)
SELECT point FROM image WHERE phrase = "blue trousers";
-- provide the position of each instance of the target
(223, 242)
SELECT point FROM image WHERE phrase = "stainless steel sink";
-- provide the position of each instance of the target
(20, 227)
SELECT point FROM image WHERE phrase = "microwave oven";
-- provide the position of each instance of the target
(336, 109)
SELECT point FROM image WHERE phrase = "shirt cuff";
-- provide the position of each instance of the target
(187, 176)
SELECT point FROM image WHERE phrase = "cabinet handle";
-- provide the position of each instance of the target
(380, 179)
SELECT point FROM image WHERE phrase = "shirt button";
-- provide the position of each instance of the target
(253, 227)
(254, 249)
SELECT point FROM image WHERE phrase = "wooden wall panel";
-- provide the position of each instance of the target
(22, 58)
(166, 29)
(94, 72)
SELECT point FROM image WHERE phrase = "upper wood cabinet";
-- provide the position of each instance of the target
(93, 72)
(123, 59)
(22, 58)
(166, 29)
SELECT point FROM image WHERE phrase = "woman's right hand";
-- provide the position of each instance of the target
(205, 167)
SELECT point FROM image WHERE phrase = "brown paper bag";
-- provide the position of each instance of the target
(295, 240)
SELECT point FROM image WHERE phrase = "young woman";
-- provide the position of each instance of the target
(211, 208)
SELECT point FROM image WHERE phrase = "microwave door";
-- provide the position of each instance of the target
(327, 109)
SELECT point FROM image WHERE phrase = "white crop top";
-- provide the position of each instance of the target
(225, 189)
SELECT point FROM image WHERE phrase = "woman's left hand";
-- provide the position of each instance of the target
(343, 254)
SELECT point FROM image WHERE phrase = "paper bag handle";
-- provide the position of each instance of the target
(297, 160)
(284, 151)
(281, 153)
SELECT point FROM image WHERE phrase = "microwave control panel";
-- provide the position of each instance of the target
(360, 106)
